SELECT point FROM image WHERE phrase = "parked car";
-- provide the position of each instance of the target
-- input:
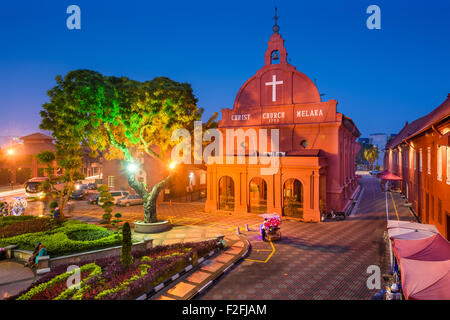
(93, 199)
(116, 196)
(92, 186)
(131, 199)
(77, 195)
(374, 172)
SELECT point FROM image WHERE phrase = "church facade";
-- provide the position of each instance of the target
(317, 146)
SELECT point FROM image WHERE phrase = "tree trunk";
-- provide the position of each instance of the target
(149, 198)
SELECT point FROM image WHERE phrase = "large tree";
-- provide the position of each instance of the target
(122, 117)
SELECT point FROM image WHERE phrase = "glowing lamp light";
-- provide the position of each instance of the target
(10, 151)
(172, 165)
(77, 187)
(132, 167)
(191, 175)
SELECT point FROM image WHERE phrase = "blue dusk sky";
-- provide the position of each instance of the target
(380, 78)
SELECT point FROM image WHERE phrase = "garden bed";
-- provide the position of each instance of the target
(11, 226)
(108, 279)
(68, 238)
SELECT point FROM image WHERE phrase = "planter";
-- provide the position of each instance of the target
(155, 227)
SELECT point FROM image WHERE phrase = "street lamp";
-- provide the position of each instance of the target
(172, 165)
(10, 151)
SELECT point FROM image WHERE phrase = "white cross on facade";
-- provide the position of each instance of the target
(274, 87)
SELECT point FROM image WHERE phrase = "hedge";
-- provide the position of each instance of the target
(71, 237)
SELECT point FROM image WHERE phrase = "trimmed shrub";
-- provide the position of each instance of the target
(58, 241)
(126, 258)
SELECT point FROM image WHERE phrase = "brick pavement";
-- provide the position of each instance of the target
(14, 277)
(319, 260)
(312, 261)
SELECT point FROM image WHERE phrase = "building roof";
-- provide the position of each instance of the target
(419, 125)
(36, 136)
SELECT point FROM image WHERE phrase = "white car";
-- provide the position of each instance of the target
(116, 196)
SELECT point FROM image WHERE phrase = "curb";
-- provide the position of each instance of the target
(209, 281)
(219, 274)
(159, 287)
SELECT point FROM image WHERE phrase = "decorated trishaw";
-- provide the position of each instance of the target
(270, 228)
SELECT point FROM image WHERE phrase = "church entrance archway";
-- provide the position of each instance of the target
(226, 193)
(258, 195)
(293, 198)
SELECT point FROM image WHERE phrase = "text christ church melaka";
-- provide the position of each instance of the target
(318, 146)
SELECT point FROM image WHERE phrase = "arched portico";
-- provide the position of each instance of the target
(257, 195)
(293, 196)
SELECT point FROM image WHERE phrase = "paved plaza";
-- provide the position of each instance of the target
(312, 261)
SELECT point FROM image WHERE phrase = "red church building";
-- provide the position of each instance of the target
(317, 146)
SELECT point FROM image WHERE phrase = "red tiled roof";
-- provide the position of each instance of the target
(36, 136)
(421, 124)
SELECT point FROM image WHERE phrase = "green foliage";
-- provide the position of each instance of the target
(116, 221)
(53, 205)
(62, 240)
(69, 158)
(105, 198)
(371, 154)
(7, 220)
(106, 218)
(117, 115)
(18, 227)
(126, 258)
(66, 294)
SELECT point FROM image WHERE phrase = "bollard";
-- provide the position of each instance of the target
(246, 227)
(237, 230)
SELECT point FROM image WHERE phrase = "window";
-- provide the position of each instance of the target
(111, 181)
(429, 160)
(414, 159)
(420, 160)
(439, 163)
(448, 165)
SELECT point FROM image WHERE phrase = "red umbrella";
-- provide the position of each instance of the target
(379, 174)
(391, 177)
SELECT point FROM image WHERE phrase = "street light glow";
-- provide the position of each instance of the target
(132, 167)
(172, 165)
(10, 151)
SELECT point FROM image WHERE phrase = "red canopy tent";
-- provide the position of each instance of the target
(425, 267)
(390, 176)
(425, 280)
(379, 174)
(434, 248)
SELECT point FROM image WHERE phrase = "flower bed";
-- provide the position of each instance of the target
(71, 237)
(108, 279)
(15, 227)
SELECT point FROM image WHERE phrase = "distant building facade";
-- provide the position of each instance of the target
(188, 182)
(420, 155)
(19, 163)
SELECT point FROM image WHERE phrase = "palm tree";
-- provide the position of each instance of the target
(371, 154)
